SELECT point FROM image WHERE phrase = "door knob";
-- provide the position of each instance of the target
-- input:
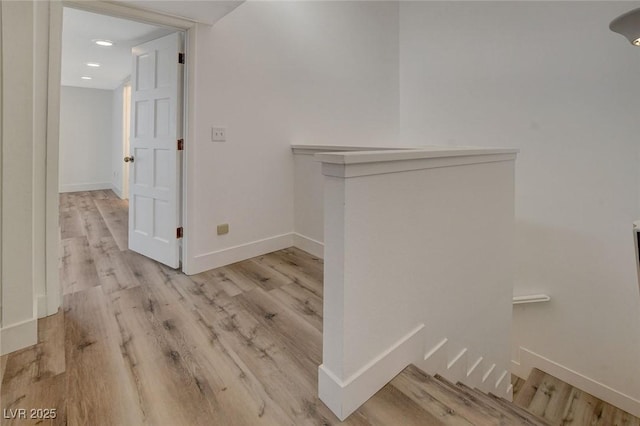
(128, 159)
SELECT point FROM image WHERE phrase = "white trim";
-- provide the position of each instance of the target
(18, 336)
(530, 359)
(41, 306)
(378, 165)
(386, 155)
(312, 149)
(76, 187)
(117, 191)
(343, 397)
(309, 245)
(227, 256)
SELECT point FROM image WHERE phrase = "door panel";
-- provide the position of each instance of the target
(154, 205)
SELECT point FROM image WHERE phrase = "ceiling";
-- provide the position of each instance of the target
(80, 28)
(205, 12)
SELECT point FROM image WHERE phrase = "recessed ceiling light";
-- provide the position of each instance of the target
(636, 42)
(93, 64)
(85, 77)
(105, 43)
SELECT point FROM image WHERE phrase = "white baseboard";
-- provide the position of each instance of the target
(309, 245)
(216, 259)
(117, 191)
(76, 187)
(343, 397)
(18, 336)
(530, 359)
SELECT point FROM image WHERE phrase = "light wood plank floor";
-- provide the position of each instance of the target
(139, 343)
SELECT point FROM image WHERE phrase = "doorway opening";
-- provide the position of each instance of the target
(100, 124)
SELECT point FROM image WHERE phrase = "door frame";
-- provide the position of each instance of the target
(53, 288)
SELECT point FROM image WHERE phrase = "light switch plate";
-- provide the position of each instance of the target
(218, 134)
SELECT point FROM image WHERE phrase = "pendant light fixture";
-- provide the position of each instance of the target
(628, 25)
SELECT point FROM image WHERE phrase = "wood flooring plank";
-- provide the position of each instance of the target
(528, 417)
(243, 397)
(300, 338)
(229, 287)
(100, 194)
(83, 201)
(550, 399)
(529, 389)
(491, 405)
(3, 366)
(51, 350)
(66, 200)
(307, 305)
(46, 397)
(389, 406)
(413, 382)
(264, 277)
(517, 383)
(98, 389)
(160, 363)
(579, 409)
(232, 277)
(419, 394)
(622, 418)
(70, 224)
(286, 379)
(115, 215)
(78, 270)
(114, 272)
(299, 258)
(312, 281)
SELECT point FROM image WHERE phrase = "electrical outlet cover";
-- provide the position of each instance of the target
(218, 134)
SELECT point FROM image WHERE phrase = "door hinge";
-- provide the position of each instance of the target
(179, 232)
(180, 144)
(181, 58)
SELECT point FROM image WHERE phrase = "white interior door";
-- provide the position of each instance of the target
(156, 126)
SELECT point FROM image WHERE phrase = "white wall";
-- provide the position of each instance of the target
(117, 130)
(86, 128)
(277, 73)
(552, 80)
(418, 250)
(18, 257)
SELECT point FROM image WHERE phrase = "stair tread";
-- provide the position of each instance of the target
(551, 398)
(529, 388)
(413, 380)
(481, 397)
(561, 404)
(531, 418)
(410, 383)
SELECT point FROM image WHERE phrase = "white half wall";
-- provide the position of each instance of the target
(418, 248)
(308, 195)
(551, 79)
(86, 129)
(275, 74)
